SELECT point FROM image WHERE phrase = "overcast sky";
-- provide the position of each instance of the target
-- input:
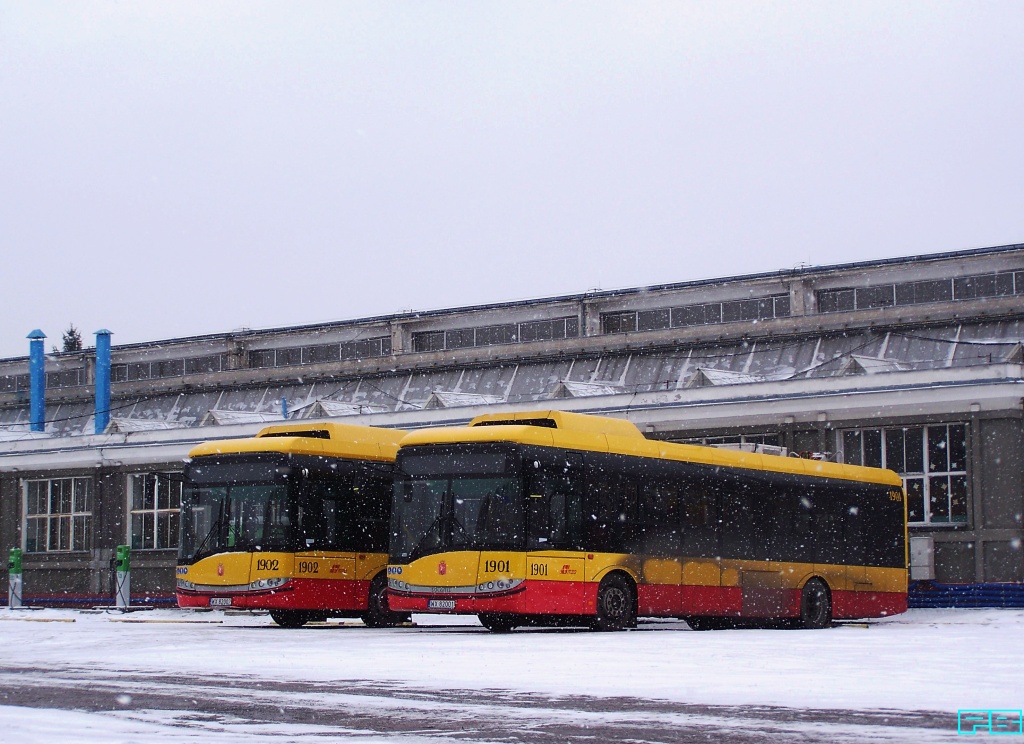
(178, 168)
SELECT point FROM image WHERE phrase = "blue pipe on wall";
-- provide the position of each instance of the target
(102, 417)
(37, 380)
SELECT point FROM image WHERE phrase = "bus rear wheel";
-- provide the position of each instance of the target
(290, 618)
(378, 614)
(497, 623)
(616, 606)
(815, 605)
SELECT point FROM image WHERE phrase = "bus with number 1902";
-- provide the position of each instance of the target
(555, 518)
(293, 520)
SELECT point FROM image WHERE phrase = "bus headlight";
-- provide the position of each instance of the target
(186, 585)
(267, 584)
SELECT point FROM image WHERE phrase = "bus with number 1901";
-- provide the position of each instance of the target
(555, 518)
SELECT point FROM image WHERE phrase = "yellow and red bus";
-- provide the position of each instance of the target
(293, 520)
(554, 518)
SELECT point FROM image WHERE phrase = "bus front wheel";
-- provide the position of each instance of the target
(496, 623)
(378, 614)
(815, 605)
(616, 606)
(290, 618)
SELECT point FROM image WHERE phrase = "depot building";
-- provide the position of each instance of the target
(913, 364)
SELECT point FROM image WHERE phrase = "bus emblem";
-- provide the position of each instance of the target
(567, 569)
(442, 568)
(220, 569)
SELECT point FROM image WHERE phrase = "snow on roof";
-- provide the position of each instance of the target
(447, 399)
(17, 432)
(855, 364)
(334, 408)
(574, 389)
(124, 425)
(224, 418)
(705, 377)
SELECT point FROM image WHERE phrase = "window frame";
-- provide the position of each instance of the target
(926, 475)
(175, 482)
(74, 517)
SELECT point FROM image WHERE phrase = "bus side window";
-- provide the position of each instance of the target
(368, 512)
(551, 493)
(659, 517)
(700, 520)
(609, 515)
(803, 526)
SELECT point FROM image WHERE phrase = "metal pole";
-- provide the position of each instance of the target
(123, 587)
(37, 380)
(14, 579)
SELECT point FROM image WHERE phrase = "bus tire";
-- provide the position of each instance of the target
(496, 622)
(815, 605)
(616, 604)
(289, 618)
(378, 614)
(708, 623)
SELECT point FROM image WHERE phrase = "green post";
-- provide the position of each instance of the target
(123, 584)
(14, 579)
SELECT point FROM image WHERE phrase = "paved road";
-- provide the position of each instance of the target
(359, 708)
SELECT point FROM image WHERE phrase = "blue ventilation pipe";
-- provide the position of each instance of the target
(102, 417)
(37, 380)
(284, 408)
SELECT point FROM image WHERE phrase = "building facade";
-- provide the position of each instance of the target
(914, 364)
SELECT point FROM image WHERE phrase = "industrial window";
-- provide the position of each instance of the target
(868, 297)
(493, 335)
(915, 293)
(428, 341)
(460, 338)
(464, 338)
(932, 460)
(65, 378)
(652, 320)
(370, 347)
(619, 322)
(154, 501)
(761, 308)
(697, 315)
(289, 357)
(772, 440)
(983, 285)
(999, 284)
(320, 354)
(203, 364)
(58, 513)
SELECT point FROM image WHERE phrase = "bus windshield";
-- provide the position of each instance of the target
(436, 509)
(234, 518)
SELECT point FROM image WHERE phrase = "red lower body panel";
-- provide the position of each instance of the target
(536, 598)
(343, 595)
(867, 604)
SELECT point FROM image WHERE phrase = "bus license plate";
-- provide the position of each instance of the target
(440, 604)
(220, 601)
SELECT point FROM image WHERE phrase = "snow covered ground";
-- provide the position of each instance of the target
(179, 675)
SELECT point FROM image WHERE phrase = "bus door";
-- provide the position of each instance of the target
(702, 568)
(854, 527)
(555, 566)
(324, 527)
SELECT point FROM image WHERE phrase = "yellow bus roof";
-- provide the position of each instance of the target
(603, 434)
(312, 438)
